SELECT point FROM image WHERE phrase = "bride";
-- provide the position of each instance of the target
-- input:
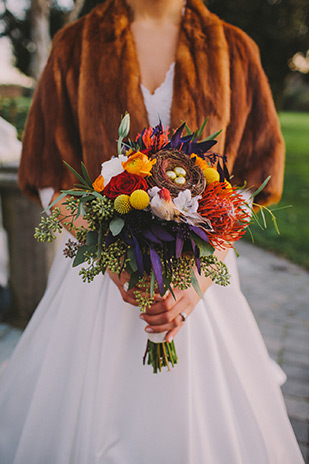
(75, 390)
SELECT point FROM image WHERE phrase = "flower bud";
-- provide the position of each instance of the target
(124, 126)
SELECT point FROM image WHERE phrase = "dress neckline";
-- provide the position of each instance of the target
(162, 85)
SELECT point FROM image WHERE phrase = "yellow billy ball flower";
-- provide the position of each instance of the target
(228, 186)
(211, 175)
(139, 199)
(122, 204)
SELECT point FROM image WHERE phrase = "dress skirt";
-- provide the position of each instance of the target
(75, 390)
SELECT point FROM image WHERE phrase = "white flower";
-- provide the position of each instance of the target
(185, 203)
(112, 167)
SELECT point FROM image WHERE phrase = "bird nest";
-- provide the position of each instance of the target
(168, 160)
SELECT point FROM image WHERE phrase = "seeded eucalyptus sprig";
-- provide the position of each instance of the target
(45, 232)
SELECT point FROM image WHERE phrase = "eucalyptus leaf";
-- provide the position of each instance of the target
(80, 255)
(131, 257)
(205, 248)
(92, 238)
(77, 211)
(195, 284)
(62, 195)
(152, 283)
(86, 175)
(76, 174)
(172, 291)
(116, 225)
(134, 278)
(73, 192)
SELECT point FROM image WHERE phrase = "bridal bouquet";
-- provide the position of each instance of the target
(158, 210)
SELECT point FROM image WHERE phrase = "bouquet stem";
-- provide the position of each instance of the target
(160, 355)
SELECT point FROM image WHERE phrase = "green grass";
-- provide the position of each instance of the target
(293, 241)
(15, 111)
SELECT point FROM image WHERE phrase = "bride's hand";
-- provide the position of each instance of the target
(165, 315)
(127, 295)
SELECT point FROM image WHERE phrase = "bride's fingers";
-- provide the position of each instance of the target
(165, 304)
(167, 320)
(127, 297)
(172, 333)
(177, 322)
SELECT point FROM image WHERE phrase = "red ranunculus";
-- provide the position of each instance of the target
(124, 183)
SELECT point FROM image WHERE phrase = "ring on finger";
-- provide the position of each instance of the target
(183, 316)
(126, 286)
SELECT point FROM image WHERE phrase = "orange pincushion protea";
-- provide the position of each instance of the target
(148, 138)
(225, 209)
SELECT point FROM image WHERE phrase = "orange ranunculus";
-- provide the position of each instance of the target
(139, 164)
(98, 184)
(202, 164)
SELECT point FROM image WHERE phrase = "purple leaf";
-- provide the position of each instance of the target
(196, 255)
(193, 247)
(179, 246)
(220, 171)
(147, 263)
(226, 172)
(157, 269)
(200, 232)
(161, 233)
(198, 264)
(151, 237)
(175, 140)
(138, 256)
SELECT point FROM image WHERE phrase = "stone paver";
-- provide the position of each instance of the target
(278, 293)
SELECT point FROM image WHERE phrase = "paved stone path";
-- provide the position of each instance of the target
(278, 293)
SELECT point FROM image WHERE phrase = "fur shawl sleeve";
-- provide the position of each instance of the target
(52, 129)
(92, 77)
(254, 130)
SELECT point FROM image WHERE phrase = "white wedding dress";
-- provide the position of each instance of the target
(75, 390)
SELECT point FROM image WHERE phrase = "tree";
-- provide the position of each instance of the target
(40, 35)
(279, 27)
(31, 35)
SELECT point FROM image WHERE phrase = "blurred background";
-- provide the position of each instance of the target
(281, 30)
(277, 287)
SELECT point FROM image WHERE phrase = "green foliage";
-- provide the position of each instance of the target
(279, 27)
(293, 218)
(15, 111)
(45, 232)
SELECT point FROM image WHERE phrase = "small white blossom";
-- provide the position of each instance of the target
(112, 167)
(185, 203)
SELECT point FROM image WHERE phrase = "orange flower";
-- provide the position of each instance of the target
(153, 139)
(227, 213)
(98, 184)
(202, 164)
(139, 164)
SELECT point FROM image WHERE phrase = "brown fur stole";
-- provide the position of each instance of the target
(92, 77)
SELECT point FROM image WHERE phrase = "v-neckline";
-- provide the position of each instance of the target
(163, 83)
